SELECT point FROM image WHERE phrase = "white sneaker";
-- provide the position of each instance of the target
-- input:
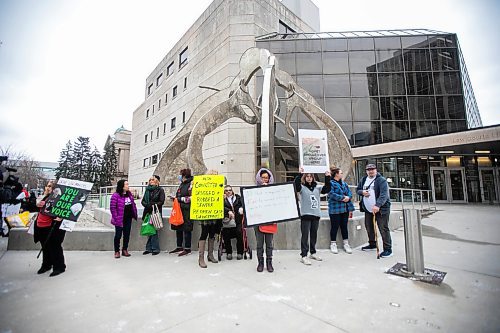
(333, 248)
(305, 261)
(347, 248)
(314, 256)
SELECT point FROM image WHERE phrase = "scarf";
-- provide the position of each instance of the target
(149, 189)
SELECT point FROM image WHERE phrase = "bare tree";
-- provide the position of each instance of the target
(28, 170)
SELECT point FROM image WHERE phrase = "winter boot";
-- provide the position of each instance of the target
(269, 265)
(201, 257)
(260, 266)
(210, 255)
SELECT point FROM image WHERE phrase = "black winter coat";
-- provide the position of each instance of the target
(156, 197)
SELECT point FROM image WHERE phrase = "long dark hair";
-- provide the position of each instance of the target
(119, 187)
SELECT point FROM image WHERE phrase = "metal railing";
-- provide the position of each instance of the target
(409, 198)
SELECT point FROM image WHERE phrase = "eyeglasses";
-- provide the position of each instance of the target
(228, 190)
(370, 169)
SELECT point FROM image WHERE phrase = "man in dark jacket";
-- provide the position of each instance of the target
(374, 191)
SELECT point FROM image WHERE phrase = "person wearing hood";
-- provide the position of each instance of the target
(310, 212)
(184, 231)
(374, 192)
(154, 195)
(264, 233)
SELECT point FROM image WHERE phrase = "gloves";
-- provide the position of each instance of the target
(240, 210)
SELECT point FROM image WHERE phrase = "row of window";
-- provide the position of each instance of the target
(183, 59)
(173, 121)
(174, 95)
(152, 160)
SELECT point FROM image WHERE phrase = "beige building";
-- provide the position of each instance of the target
(121, 139)
(207, 56)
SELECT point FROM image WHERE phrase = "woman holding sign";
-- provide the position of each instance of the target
(123, 210)
(265, 232)
(310, 212)
(51, 240)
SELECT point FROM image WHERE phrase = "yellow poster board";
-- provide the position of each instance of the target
(207, 197)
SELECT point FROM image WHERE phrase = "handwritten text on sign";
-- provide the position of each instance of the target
(207, 197)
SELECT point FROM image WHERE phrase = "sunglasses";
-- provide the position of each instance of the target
(229, 190)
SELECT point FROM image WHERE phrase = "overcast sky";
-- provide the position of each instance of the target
(78, 68)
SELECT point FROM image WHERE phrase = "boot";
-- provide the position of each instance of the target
(269, 265)
(260, 267)
(125, 253)
(210, 255)
(117, 255)
(201, 249)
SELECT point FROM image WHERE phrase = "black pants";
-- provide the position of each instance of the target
(383, 227)
(125, 230)
(183, 236)
(339, 220)
(261, 237)
(53, 255)
(209, 230)
(228, 234)
(309, 227)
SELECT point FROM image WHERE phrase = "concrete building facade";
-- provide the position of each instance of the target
(121, 139)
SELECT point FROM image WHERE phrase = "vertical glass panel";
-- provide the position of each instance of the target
(414, 42)
(365, 109)
(395, 130)
(423, 128)
(312, 84)
(339, 108)
(405, 172)
(308, 63)
(439, 178)
(365, 43)
(457, 185)
(335, 44)
(450, 126)
(335, 63)
(443, 41)
(286, 62)
(447, 83)
(347, 128)
(282, 46)
(336, 85)
(391, 84)
(421, 173)
(445, 60)
(488, 179)
(308, 45)
(389, 60)
(282, 138)
(393, 108)
(450, 107)
(366, 133)
(387, 167)
(362, 61)
(385, 43)
(364, 85)
(419, 83)
(422, 107)
(417, 60)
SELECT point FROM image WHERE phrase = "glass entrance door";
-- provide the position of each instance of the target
(489, 184)
(448, 185)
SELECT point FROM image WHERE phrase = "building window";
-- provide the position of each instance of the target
(153, 113)
(159, 104)
(150, 89)
(145, 139)
(183, 117)
(285, 29)
(166, 99)
(157, 132)
(159, 79)
(164, 128)
(185, 82)
(147, 113)
(172, 124)
(174, 92)
(145, 163)
(154, 159)
(183, 57)
(151, 135)
(170, 69)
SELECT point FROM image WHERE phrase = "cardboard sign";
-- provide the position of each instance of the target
(313, 150)
(207, 197)
(68, 199)
(269, 204)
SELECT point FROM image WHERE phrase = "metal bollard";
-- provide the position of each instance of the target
(413, 241)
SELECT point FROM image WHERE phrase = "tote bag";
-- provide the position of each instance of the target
(156, 219)
(147, 228)
(176, 214)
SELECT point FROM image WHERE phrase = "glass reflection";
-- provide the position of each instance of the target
(395, 130)
(419, 83)
(393, 108)
(335, 63)
(417, 60)
(389, 60)
(450, 107)
(338, 108)
(362, 61)
(366, 133)
(308, 63)
(422, 107)
(445, 60)
(365, 109)
(447, 83)
(336, 85)
(364, 85)
(391, 84)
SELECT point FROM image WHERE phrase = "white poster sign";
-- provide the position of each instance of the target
(313, 150)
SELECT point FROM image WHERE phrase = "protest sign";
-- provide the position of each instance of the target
(269, 204)
(207, 197)
(313, 150)
(68, 199)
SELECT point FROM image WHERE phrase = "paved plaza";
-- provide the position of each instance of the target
(343, 293)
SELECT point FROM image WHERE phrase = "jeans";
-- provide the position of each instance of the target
(383, 227)
(183, 236)
(125, 230)
(339, 220)
(153, 244)
(261, 237)
(308, 226)
(228, 234)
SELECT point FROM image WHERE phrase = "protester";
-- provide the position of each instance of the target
(310, 212)
(340, 207)
(233, 210)
(123, 210)
(374, 192)
(47, 232)
(265, 233)
(208, 229)
(154, 195)
(184, 231)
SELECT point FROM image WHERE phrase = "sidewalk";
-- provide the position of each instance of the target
(343, 293)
